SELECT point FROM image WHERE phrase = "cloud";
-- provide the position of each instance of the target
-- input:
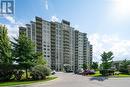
(114, 43)
(12, 20)
(12, 31)
(9, 18)
(46, 4)
(12, 26)
(54, 19)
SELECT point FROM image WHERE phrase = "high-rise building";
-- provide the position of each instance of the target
(39, 33)
(81, 50)
(63, 47)
(46, 41)
(62, 44)
(22, 30)
(68, 42)
(39, 42)
(89, 54)
(56, 46)
(33, 31)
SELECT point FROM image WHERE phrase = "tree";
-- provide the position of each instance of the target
(40, 60)
(94, 65)
(85, 66)
(5, 55)
(107, 59)
(23, 50)
(5, 46)
(124, 66)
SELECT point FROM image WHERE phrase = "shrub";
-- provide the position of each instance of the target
(104, 72)
(5, 75)
(6, 72)
(107, 72)
(18, 74)
(40, 72)
(124, 71)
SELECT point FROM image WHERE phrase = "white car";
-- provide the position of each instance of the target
(53, 72)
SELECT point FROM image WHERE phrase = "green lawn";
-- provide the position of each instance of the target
(13, 83)
(120, 75)
(97, 74)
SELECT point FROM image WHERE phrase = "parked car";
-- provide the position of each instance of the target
(53, 72)
(70, 71)
(88, 72)
(80, 71)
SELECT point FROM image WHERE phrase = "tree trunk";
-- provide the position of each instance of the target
(26, 73)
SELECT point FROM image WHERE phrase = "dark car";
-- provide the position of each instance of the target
(88, 72)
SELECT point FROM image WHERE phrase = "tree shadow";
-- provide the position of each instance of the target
(98, 78)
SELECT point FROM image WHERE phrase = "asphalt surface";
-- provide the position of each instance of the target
(72, 80)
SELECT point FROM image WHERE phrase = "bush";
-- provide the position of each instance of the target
(107, 72)
(6, 72)
(5, 75)
(40, 72)
(124, 71)
(18, 74)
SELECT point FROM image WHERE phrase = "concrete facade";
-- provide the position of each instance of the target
(63, 47)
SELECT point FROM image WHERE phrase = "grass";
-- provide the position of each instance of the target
(122, 75)
(97, 74)
(14, 83)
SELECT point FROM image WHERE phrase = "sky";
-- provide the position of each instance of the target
(105, 21)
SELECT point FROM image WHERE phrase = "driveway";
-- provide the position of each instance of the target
(72, 80)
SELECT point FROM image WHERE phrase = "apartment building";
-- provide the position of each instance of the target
(79, 57)
(22, 30)
(89, 54)
(33, 32)
(39, 33)
(68, 42)
(72, 48)
(56, 46)
(46, 38)
(63, 47)
(83, 51)
(62, 44)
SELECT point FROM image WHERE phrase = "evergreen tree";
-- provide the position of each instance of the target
(40, 60)
(85, 66)
(107, 59)
(124, 64)
(94, 65)
(23, 50)
(5, 46)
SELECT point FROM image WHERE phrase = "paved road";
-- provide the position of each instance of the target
(72, 80)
